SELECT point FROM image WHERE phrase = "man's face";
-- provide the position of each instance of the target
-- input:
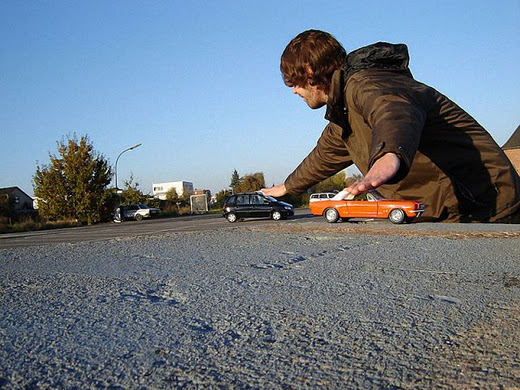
(313, 96)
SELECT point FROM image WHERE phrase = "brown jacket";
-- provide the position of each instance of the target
(448, 161)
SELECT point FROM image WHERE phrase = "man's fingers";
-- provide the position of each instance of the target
(275, 191)
(352, 188)
(364, 185)
(358, 187)
(383, 170)
(374, 183)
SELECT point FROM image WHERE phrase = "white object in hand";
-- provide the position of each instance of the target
(343, 195)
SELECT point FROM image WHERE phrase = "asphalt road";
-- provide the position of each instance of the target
(108, 231)
(202, 303)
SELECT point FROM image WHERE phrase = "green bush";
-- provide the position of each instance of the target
(26, 224)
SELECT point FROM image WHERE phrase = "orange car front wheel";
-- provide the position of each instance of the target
(397, 216)
(331, 215)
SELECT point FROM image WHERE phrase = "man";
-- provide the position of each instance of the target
(408, 140)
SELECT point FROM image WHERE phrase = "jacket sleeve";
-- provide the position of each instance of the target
(328, 157)
(394, 107)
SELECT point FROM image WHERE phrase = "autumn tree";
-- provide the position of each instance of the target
(251, 182)
(172, 195)
(333, 183)
(221, 196)
(74, 184)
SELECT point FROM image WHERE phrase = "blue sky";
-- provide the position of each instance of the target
(198, 82)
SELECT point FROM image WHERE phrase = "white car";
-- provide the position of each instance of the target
(321, 196)
(135, 211)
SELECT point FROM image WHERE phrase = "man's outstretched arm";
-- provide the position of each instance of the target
(383, 170)
(328, 157)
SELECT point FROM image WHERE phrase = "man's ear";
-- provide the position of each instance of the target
(310, 74)
(308, 69)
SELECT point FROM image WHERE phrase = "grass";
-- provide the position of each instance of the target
(31, 225)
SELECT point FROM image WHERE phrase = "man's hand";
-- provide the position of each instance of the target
(383, 170)
(275, 191)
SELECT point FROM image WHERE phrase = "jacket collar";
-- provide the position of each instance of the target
(380, 55)
(336, 107)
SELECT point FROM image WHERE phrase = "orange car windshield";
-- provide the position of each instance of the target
(371, 196)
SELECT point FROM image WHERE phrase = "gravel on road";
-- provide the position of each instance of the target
(267, 307)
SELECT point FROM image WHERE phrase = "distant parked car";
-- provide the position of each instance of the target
(255, 205)
(368, 205)
(134, 211)
(321, 196)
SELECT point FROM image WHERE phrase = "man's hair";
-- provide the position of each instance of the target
(314, 49)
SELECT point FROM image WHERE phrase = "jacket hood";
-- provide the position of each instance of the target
(380, 55)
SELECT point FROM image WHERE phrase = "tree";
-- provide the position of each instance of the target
(333, 183)
(172, 195)
(73, 184)
(131, 193)
(6, 206)
(235, 180)
(221, 196)
(251, 182)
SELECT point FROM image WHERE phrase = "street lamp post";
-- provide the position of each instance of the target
(117, 159)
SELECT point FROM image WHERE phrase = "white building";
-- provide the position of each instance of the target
(181, 187)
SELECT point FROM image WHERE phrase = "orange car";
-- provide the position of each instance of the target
(368, 205)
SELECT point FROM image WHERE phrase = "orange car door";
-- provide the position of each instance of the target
(362, 209)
